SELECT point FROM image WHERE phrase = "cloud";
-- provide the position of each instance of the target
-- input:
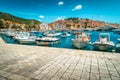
(60, 3)
(39, 19)
(60, 18)
(41, 16)
(78, 7)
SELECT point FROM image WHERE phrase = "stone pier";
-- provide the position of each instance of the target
(1, 40)
(21, 62)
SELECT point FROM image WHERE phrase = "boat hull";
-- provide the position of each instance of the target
(118, 47)
(47, 43)
(80, 44)
(63, 36)
(103, 47)
(26, 41)
(10, 35)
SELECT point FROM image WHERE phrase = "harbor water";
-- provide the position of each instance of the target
(66, 42)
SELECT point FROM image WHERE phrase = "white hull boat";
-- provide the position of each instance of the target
(29, 40)
(25, 38)
(104, 42)
(46, 41)
(118, 40)
(118, 47)
(53, 34)
(10, 33)
(66, 35)
(81, 40)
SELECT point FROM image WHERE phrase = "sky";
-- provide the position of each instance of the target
(51, 10)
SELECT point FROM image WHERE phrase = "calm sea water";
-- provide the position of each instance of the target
(67, 42)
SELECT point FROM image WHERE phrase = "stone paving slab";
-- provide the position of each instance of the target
(21, 62)
(1, 40)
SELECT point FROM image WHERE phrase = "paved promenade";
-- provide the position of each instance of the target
(1, 40)
(20, 62)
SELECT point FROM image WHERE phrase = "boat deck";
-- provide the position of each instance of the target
(21, 62)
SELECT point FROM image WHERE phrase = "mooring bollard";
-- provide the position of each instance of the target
(113, 51)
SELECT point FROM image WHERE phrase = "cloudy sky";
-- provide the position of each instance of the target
(51, 10)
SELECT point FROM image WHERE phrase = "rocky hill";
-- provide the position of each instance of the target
(10, 21)
(77, 24)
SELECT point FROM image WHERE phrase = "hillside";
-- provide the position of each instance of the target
(12, 18)
(8, 21)
(76, 23)
(80, 23)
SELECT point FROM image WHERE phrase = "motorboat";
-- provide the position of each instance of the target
(65, 34)
(47, 41)
(52, 34)
(81, 40)
(118, 40)
(103, 43)
(118, 45)
(10, 33)
(25, 38)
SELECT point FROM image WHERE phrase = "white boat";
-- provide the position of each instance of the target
(81, 40)
(104, 43)
(28, 40)
(118, 45)
(46, 41)
(10, 33)
(25, 38)
(118, 40)
(65, 34)
(52, 34)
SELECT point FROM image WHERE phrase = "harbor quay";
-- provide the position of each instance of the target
(23, 62)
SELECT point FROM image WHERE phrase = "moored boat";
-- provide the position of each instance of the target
(25, 38)
(65, 34)
(81, 40)
(103, 43)
(10, 33)
(118, 40)
(118, 45)
(52, 34)
(47, 41)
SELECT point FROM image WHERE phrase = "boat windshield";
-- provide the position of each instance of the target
(104, 36)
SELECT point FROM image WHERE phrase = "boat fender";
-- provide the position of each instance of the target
(46, 43)
(89, 38)
(82, 39)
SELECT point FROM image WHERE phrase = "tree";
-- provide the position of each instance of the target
(14, 27)
(7, 25)
(27, 27)
(2, 24)
(86, 23)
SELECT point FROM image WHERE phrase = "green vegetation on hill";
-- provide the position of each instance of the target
(75, 20)
(12, 18)
(8, 21)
